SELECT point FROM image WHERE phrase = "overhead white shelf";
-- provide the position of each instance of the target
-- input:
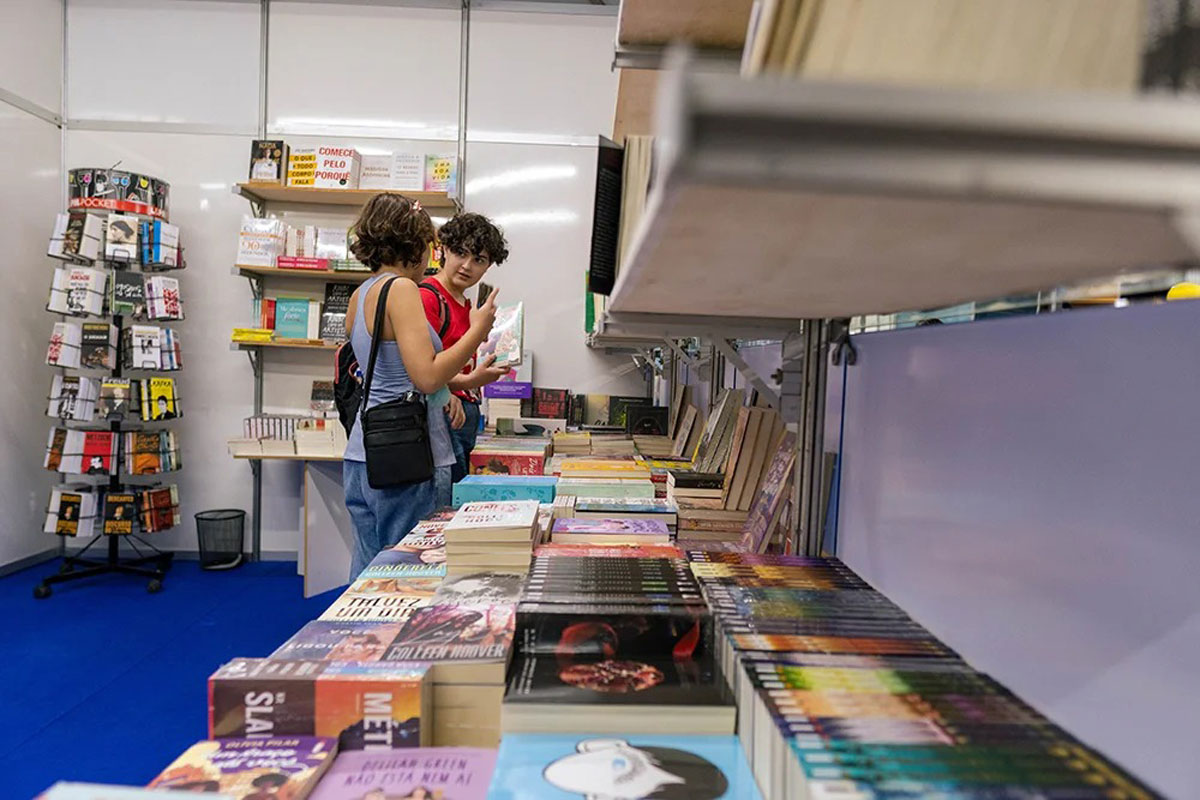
(805, 200)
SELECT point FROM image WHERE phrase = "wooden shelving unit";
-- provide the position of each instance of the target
(324, 275)
(275, 193)
(286, 458)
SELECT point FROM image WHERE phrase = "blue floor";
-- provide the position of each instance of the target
(105, 682)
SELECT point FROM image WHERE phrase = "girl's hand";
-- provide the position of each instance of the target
(484, 317)
(454, 411)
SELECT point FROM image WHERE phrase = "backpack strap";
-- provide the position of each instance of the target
(376, 339)
(443, 308)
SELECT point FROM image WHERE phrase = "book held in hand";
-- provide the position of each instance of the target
(507, 337)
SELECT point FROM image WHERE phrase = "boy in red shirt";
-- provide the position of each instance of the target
(471, 243)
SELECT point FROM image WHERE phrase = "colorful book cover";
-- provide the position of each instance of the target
(97, 453)
(767, 503)
(119, 511)
(385, 599)
(403, 568)
(610, 551)
(615, 525)
(611, 629)
(362, 704)
(443, 773)
(616, 506)
(480, 588)
(69, 508)
(601, 681)
(475, 488)
(492, 462)
(161, 396)
(455, 633)
(506, 340)
(504, 514)
(145, 452)
(291, 317)
(572, 767)
(338, 641)
(417, 547)
(441, 173)
(250, 768)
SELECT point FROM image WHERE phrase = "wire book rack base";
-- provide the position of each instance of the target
(152, 565)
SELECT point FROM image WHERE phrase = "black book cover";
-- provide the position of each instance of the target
(550, 403)
(542, 680)
(686, 479)
(614, 631)
(333, 311)
(606, 216)
(454, 633)
(128, 293)
(95, 346)
(256, 697)
(119, 511)
(886, 629)
(618, 409)
(647, 420)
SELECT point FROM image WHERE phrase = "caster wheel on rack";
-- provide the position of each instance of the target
(154, 586)
(165, 565)
(66, 567)
(41, 591)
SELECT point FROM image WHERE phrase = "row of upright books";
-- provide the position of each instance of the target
(85, 452)
(304, 317)
(83, 399)
(120, 239)
(95, 345)
(83, 511)
(330, 165)
(88, 291)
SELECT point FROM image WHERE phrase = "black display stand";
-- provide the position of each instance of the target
(77, 567)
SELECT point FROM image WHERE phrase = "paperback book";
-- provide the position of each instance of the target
(443, 773)
(322, 640)
(506, 341)
(265, 767)
(444, 633)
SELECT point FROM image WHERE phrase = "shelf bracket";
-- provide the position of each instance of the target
(681, 354)
(729, 352)
(253, 355)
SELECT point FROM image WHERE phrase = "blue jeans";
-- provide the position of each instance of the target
(444, 486)
(381, 516)
(463, 441)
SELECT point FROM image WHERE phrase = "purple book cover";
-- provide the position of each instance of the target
(450, 773)
(611, 525)
(286, 765)
(509, 390)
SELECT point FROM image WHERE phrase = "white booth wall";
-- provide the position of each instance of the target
(382, 77)
(1026, 488)
(31, 192)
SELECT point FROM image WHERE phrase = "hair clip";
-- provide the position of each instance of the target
(416, 204)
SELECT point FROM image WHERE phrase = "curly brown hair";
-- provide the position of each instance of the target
(391, 230)
(470, 234)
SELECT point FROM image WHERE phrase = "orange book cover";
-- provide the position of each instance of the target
(377, 704)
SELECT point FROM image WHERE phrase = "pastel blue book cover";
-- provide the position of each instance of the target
(291, 317)
(487, 488)
(534, 766)
(96, 791)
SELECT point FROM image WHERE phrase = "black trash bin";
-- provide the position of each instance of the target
(222, 535)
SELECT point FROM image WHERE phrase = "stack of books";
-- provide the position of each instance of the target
(573, 444)
(610, 644)
(511, 455)
(605, 468)
(662, 510)
(609, 531)
(654, 446)
(840, 692)
(486, 488)
(606, 488)
(494, 535)
(660, 470)
(612, 444)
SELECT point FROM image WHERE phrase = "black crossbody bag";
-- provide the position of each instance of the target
(395, 433)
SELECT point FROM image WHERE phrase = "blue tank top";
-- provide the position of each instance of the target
(391, 380)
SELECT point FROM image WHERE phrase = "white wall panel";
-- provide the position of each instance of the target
(363, 68)
(192, 61)
(31, 194)
(216, 385)
(542, 196)
(31, 50)
(542, 75)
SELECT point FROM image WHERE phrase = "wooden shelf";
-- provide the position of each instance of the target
(287, 458)
(287, 345)
(327, 275)
(701, 23)
(816, 200)
(274, 193)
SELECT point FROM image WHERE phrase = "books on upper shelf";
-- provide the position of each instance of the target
(260, 241)
(77, 236)
(609, 530)
(624, 764)
(71, 511)
(364, 705)
(73, 397)
(442, 773)
(507, 337)
(268, 161)
(78, 291)
(264, 766)
(333, 311)
(302, 166)
(121, 238)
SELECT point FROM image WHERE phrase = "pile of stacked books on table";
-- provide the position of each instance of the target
(662, 510)
(654, 446)
(597, 478)
(493, 535)
(614, 643)
(842, 694)
(510, 455)
(573, 443)
(612, 444)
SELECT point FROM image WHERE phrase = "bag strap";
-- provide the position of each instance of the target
(376, 339)
(443, 308)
